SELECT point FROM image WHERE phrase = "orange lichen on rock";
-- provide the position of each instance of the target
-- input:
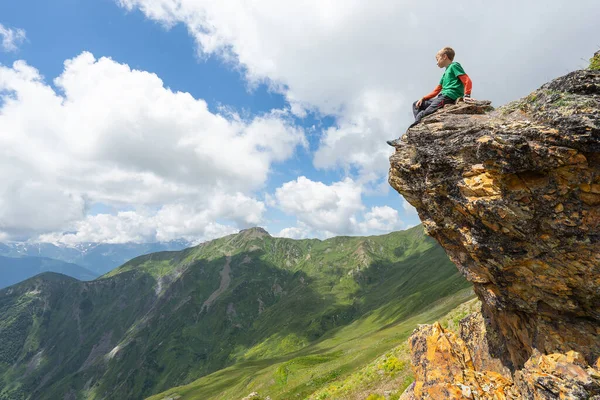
(445, 369)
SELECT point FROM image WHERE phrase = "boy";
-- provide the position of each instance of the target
(453, 85)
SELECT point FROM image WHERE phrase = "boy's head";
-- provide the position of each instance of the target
(444, 57)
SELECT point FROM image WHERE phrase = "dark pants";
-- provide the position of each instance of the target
(430, 106)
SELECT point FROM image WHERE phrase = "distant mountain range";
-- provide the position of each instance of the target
(14, 270)
(283, 316)
(99, 258)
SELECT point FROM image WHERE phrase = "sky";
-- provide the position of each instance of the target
(154, 120)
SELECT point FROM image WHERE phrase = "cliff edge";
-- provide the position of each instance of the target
(513, 195)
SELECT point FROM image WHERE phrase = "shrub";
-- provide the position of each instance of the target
(393, 365)
(595, 61)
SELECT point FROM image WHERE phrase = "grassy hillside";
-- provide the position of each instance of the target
(248, 302)
(367, 357)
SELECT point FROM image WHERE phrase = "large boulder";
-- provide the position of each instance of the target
(513, 195)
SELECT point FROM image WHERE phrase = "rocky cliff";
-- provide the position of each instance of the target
(513, 195)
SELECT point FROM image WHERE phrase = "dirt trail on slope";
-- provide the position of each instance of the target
(225, 280)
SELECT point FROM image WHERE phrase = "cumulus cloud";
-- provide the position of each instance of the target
(380, 219)
(365, 62)
(359, 140)
(30, 206)
(194, 222)
(296, 232)
(11, 38)
(106, 133)
(327, 210)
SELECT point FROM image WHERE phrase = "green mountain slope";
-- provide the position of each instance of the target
(366, 357)
(249, 299)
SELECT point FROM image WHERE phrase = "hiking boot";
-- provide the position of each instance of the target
(394, 143)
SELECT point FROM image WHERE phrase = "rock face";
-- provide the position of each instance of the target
(513, 195)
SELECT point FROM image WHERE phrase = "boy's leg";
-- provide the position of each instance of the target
(416, 110)
(424, 105)
(427, 107)
(435, 104)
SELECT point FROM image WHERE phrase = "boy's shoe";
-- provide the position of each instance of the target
(397, 142)
(394, 143)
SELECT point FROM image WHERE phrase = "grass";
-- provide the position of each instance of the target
(452, 319)
(595, 62)
(346, 364)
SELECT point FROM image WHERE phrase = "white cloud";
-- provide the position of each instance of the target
(324, 208)
(27, 206)
(298, 232)
(382, 219)
(109, 134)
(11, 38)
(173, 221)
(365, 62)
(360, 140)
(327, 210)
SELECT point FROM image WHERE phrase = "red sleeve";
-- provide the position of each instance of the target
(435, 92)
(464, 78)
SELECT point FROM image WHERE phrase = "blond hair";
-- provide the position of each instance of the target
(449, 51)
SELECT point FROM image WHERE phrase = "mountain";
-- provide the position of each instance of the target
(250, 303)
(513, 195)
(13, 270)
(96, 257)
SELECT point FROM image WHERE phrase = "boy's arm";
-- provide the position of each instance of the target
(435, 92)
(464, 78)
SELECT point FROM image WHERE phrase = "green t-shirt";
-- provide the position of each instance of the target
(451, 85)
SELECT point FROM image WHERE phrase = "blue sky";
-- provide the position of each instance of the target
(286, 124)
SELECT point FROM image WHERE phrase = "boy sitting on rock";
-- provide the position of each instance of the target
(455, 83)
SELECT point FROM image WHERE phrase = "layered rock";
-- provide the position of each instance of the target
(513, 195)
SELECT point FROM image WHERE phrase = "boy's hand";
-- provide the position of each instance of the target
(419, 102)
